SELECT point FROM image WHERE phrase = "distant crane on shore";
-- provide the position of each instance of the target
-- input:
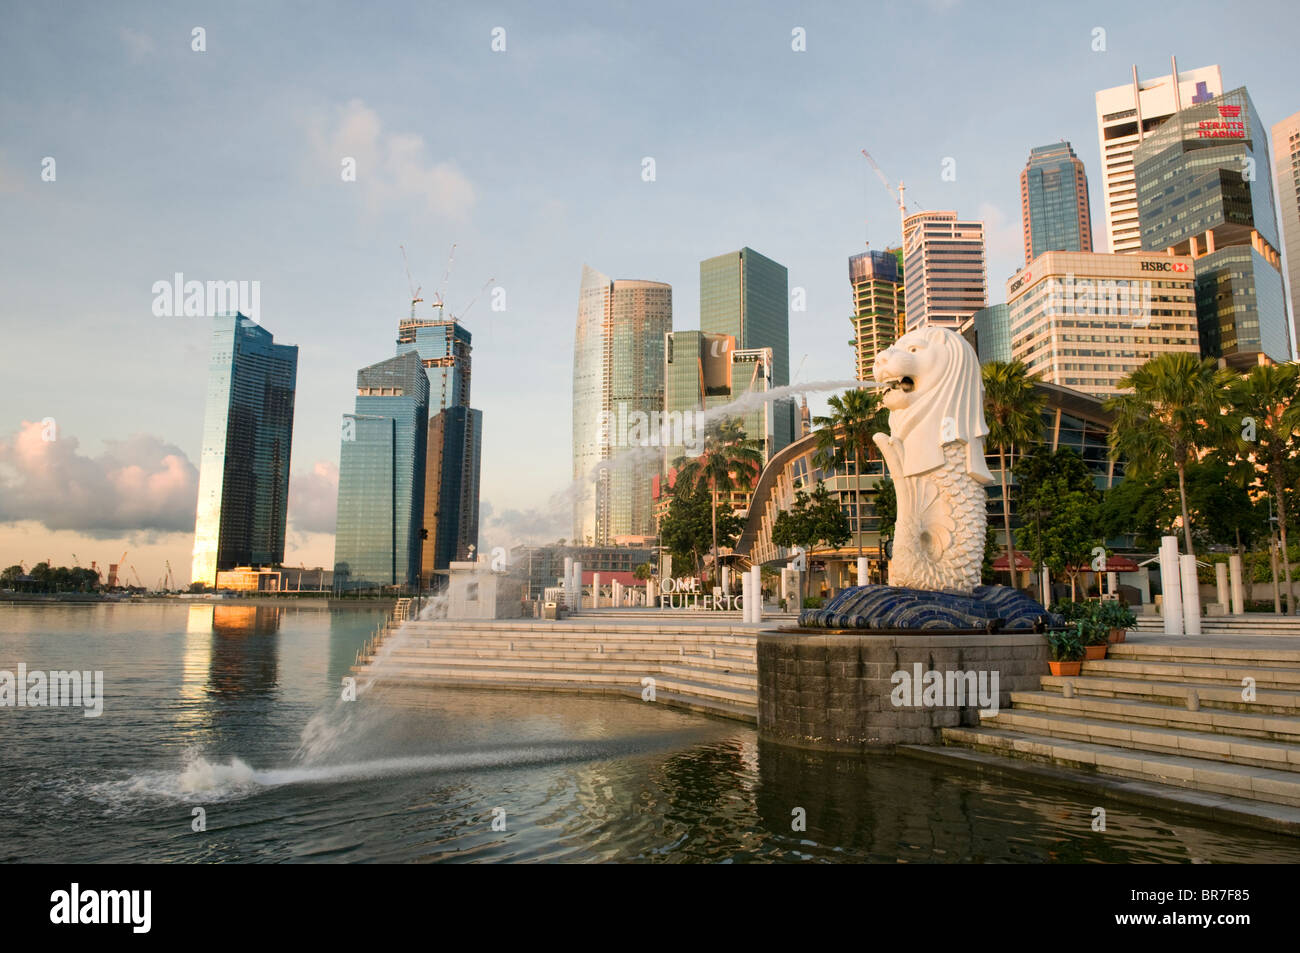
(901, 188)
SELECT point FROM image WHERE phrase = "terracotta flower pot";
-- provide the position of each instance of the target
(1117, 635)
(1094, 652)
(1065, 668)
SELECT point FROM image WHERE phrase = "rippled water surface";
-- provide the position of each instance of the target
(236, 710)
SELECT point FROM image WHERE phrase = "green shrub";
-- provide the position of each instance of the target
(1065, 645)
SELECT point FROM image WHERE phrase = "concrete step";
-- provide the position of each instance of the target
(1196, 672)
(652, 659)
(1244, 781)
(1224, 697)
(1269, 652)
(605, 681)
(742, 680)
(521, 646)
(1269, 727)
(1280, 756)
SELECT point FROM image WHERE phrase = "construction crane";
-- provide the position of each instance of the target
(171, 583)
(439, 299)
(415, 292)
(476, 297)
(136, 573)
(884, 180)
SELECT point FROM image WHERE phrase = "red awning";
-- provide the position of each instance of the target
(1023, 563)
(1114, 564)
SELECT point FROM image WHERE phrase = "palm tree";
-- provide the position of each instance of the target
(845, 435)
(730, 461)
(1013, 407)
(1266, 404)
(1171, 411)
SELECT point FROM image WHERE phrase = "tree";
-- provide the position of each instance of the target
(730, 461)
(644, 571)
(990, 554)
(887, 513)
(1265, 405)
(9, 578)
(1013, 408)
(844, 438)
(1170, 414)
(813, 519)
(691, 522)
(1149, 508)
(1059, 503)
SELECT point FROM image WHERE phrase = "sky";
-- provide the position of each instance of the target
(225, 164)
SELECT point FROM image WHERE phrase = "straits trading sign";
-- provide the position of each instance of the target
(1227, 126)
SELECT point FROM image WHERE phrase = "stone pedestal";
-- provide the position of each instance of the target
(839, 691)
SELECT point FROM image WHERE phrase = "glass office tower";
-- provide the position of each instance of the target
(444, 346)
(451, 489)
(877, 280)
(454, 448)
(1054, 206)
(1205, 189)
(247, 438)
(382, 477)
(618, 367)
(944, 272)
(747, 295)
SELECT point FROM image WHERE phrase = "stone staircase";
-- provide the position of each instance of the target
(707, 667)
(1251, 624)
(1171, 712)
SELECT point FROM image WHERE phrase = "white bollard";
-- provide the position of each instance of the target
(1171, 588)
(577, 584)
(595, 590)
(862, 570)
(1112, 582)
(1221, 584)
(747, 595)
(757, 614)
(1046, 594)
(1238, 591)
(1191, 596)
(568, 581)
(726, 581)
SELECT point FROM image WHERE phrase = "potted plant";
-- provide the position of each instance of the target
(1093, 633)
(1118, 618)
(1065, 652)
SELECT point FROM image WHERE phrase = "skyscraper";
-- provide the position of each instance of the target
(382, 476)
(1127, 114)
(247, 438)
(943, 269)
(444, 346)
(877, 281)
(451, 488)
(618, 367)
(1286, 165)
(989, 332)
(1084, 320)
(747, 295)
(1054, 206)
(455, 439)
(704, 370)
(1205, 189)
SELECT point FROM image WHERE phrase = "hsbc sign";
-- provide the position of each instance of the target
(1019, 282)
(1165, 266)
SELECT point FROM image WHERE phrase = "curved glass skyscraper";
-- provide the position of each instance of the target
(618, 374)
(247, 438)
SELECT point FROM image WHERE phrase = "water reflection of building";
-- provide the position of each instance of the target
(230, 650)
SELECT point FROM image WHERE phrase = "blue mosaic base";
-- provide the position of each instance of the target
(889, 607)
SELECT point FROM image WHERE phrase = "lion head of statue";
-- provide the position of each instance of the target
(935, 395)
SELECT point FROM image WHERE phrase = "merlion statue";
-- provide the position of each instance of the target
(935, 455)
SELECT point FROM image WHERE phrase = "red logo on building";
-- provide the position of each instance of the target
(1229, 112)
(1180, 266)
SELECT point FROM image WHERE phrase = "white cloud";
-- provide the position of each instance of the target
(313, 498)
(137, 485)
(391, 167)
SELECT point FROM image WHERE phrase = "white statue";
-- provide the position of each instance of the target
(935, 455)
